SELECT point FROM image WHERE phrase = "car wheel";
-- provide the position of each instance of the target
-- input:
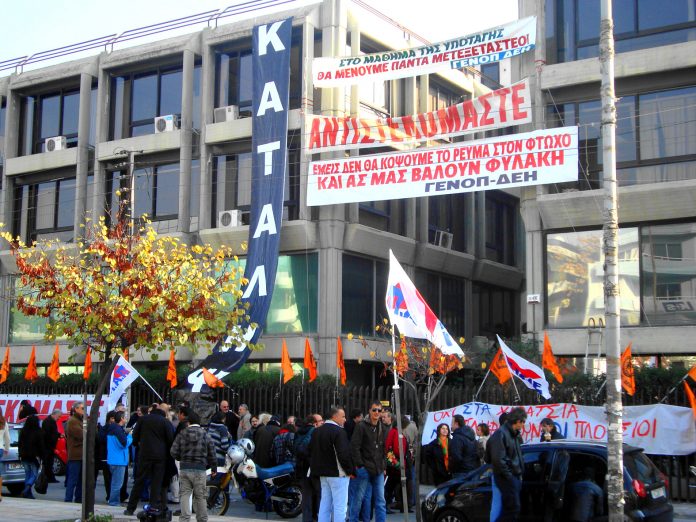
(15, 489)
(451, 515)
(58, 466)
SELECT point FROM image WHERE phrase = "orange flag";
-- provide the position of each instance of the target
(53, 372)
(309, 362)
(285, 364)
(5, 368)
(171, 371)
(692, 372)
(30, 374)
(88, 364)
(628, 381)
(499, 368)
(692, 398)
(548, 361)
(339, 360)
(211, 380)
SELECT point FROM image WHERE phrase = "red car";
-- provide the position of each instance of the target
(60, 455)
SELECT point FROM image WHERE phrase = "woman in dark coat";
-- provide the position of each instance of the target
(31, 450)
(437, 455)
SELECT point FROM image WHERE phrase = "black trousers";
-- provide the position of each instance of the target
(311, 495)
(47, 464)
(148, 469)
(510, 490)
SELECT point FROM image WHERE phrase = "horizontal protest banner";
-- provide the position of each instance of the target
(489, 46)
(659, 429)
(45, 404)
(497, 109)
(532, 158)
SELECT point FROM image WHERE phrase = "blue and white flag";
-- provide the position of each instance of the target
(530, 374)
(123, 376)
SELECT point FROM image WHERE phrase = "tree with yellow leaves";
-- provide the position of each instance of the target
(118, 288)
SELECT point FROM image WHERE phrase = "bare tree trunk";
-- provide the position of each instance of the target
(612, 309)
(88, 494)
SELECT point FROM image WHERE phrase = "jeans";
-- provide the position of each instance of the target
(31, 473)
(510, 489)
(117, 475)
(364, 515)
(73, 481)
(375, 485)
(193, 482)
(334, 498)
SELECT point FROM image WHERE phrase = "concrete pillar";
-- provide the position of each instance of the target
(11, 151)
(82, 153)
(205, 218)
(101, 135)
(185, 151)
(331, 217)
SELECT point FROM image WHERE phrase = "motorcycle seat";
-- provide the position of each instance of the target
(276, 471)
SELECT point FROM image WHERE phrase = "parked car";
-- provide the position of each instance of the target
(13, 477)
(60, 454)
(548, 468)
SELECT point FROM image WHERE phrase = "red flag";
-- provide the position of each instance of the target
(53, 372)
(171, 370)
(499, 368)
(692, 398)
(211, 380)
(628, 381)
(31, 374)
(548, 361)
(339, 360)
(285, 364)
(5, 368)
(309, 363)
(88, 364)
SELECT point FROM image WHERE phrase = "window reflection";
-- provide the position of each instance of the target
(575, 277)
(669, 274)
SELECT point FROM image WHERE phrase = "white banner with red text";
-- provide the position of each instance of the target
(659, 429)
(532, 158)
(45, 404)
(497, 109)
(489, 46)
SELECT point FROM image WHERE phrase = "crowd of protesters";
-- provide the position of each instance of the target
(170, 452)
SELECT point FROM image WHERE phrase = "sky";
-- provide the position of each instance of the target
(31, 26)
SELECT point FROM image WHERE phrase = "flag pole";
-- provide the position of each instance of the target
(512, 378)
(482, 383)
(400, 438)
(674, 387)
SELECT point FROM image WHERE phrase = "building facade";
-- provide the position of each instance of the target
(656, 173)
(74, 133)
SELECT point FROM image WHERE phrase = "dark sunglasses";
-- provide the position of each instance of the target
(377, 410)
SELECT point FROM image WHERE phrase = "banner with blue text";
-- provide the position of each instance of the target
(271, 79)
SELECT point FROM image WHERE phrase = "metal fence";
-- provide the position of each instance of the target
(302, 400)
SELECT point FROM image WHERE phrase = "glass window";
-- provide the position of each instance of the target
(490, 75)
(144, 98)
(501, 228)
(157, 191)
(668, 123)
(65, 217)
(49, 207)
(575, 278)
(667, 274)
(653, 14)
(170, 93)
(71, 113)
(50, 117)
(358, 303)
(494, 311)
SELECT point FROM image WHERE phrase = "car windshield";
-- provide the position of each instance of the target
(640, 467)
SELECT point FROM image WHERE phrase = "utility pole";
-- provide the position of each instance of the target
(612, 310)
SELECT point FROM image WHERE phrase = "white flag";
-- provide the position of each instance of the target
(123, 376)
(530, 374)
(411, 314)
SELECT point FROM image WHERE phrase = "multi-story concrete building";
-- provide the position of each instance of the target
(333, 268)
(656, 171)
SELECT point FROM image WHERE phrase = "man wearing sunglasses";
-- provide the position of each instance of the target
(367, 446)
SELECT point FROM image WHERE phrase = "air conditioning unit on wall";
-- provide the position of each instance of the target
(229, 113)
(443, 239)
(230, 218)
(55, 143)
(167, 123)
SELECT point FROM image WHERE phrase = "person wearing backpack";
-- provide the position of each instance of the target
(282, 448)
(311, 488)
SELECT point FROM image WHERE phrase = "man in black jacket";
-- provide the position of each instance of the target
(153, 435)
(463, 455)
(508, 464)
(329, 440)
(49, 428)
(367, 446)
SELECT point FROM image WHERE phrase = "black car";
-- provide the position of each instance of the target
(549, 470)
